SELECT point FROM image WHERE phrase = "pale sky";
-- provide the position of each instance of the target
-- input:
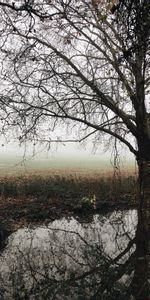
(68, 150)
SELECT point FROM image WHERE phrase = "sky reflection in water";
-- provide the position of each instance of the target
(72, 260)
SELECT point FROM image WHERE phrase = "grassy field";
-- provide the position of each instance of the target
(50, 166)
(38, 192)
(63, 179)
(16, 165)
(68, 187)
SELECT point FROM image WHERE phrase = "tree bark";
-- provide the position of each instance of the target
(140, 286)
(144, 183)
(141, 280)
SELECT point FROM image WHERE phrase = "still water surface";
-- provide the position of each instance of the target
(70, 259)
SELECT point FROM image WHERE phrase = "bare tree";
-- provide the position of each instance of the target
(78, 62)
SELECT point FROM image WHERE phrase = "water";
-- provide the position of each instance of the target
(69, 260)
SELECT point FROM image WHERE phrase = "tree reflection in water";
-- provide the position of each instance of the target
(103, 259)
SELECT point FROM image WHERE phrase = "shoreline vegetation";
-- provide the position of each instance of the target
(28, 199)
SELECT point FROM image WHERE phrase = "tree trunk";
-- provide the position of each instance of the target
(140, 286)
(141, 280)
(143, 161)
(144, 183)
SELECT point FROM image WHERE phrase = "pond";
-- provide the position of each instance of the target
(71, 259)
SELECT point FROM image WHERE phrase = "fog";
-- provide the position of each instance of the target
(60, 156)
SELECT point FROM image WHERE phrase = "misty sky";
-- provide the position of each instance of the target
(68, 150)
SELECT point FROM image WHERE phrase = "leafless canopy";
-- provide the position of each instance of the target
(69, 62)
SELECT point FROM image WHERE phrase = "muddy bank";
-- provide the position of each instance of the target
(18, 212)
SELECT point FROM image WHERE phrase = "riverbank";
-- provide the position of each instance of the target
(33, 199)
